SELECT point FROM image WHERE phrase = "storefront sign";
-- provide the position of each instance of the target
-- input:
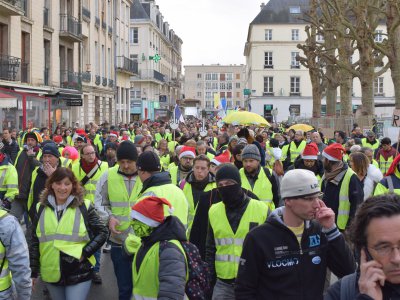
(75, 102)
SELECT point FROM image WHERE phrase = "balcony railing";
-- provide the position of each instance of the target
(70, 80)
(97, 21)
(127, 65)
(86, 76)
(12, 7)
(104, 82)
(104, 25)
(159, 76)
(110, 82)
(46, 76)
(9, 66)
(46, 17)
(98, 79)
(70, 28)
(109, 30)
(86, 13)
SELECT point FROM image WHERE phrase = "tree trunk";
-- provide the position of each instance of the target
(317, 95)
(331, 96)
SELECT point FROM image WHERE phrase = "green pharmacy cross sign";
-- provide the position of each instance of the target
(156, 58)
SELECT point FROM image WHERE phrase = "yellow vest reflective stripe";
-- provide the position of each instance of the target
(175, 196)
(33, 179)
(145, 280)
(90, 185)
(344, 202)
(296, 151)
(385, 164)
(5, 275)
(68, 235)
(285, 149)
(366, 143)
(165, 161)
(120, 201)
(187, 190)
(229, 245)
(262, 187)
(9, 181)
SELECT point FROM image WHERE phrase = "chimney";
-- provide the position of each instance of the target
(262, 5)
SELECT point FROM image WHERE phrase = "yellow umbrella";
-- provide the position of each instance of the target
(245, 118)
(303, 127)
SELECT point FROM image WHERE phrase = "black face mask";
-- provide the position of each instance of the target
(232, 195)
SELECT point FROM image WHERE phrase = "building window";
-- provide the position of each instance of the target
(229, 86)
(295, 34)
(208, 76)
(229, 76)
(208, 95)
(237, 94)
(229, 104)
(379, 36)
(222, 86)
(209, 104)
(208, 85)
(238, 103)
(268, 34)
(268, 63)
(198, 94)
(199, 85)
(134, 35)
(294, 9)
(229, 95)
(238, 85)
(294, 63)
(237, 76)
(215, 85)
(222, 77)
(222, 95)
(214, 76)
(295, 86)
(198, 75)
(268, 85)
(378, 86)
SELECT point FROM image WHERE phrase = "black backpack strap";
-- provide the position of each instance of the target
(348, 287)
(85, 215)
(35, 221)
(268, 173)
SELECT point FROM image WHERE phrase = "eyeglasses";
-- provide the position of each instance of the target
(385, 250)
(90, 153)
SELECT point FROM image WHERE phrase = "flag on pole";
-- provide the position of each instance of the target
(217, 100)
(178, 117)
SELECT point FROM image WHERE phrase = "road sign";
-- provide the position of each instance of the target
(246, 92)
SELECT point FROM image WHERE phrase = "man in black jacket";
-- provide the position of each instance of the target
(10, 146)
(287, 257)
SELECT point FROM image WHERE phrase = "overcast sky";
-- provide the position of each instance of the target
(212, 31)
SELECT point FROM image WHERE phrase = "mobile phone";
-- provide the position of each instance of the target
(368, 255)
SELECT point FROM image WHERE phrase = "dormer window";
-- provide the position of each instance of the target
(294, 9)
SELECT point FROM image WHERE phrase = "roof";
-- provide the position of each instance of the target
(138, 12)
(278, 12)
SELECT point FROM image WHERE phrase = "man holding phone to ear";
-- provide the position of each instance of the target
(375, 233)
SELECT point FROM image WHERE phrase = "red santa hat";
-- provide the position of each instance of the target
(150, 211)
(113, 133)
(223, 158)
(187, 151)
(310, 151)
(334, 152)
(80, 131)
(57, 139)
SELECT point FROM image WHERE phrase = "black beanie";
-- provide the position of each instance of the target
(148, 161)
(127, 150)
(228, 171)
(51, 148)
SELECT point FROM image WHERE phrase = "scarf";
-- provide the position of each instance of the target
(387, 154)
(2, 156)
(86, 167)
(393, 166)
(329, 176)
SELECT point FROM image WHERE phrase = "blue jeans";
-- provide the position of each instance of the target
(78, 291)
(97, 256)
(123, 271)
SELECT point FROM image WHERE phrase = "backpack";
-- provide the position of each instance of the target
(198, 285)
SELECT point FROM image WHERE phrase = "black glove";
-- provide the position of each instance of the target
(6, 204)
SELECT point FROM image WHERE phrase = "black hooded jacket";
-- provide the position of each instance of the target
(318, 168)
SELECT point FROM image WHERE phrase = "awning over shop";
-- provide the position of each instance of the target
(71, 97)
(7, 101)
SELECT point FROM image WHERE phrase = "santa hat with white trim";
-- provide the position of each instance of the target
(310, 151)
(187, 151)
(150, 211)
(225, 157)
(334, 152)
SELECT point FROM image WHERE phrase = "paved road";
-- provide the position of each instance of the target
(106, 291)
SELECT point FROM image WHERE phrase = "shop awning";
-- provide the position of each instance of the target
(7, 101)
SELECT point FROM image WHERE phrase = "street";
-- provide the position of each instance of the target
(106, 291)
